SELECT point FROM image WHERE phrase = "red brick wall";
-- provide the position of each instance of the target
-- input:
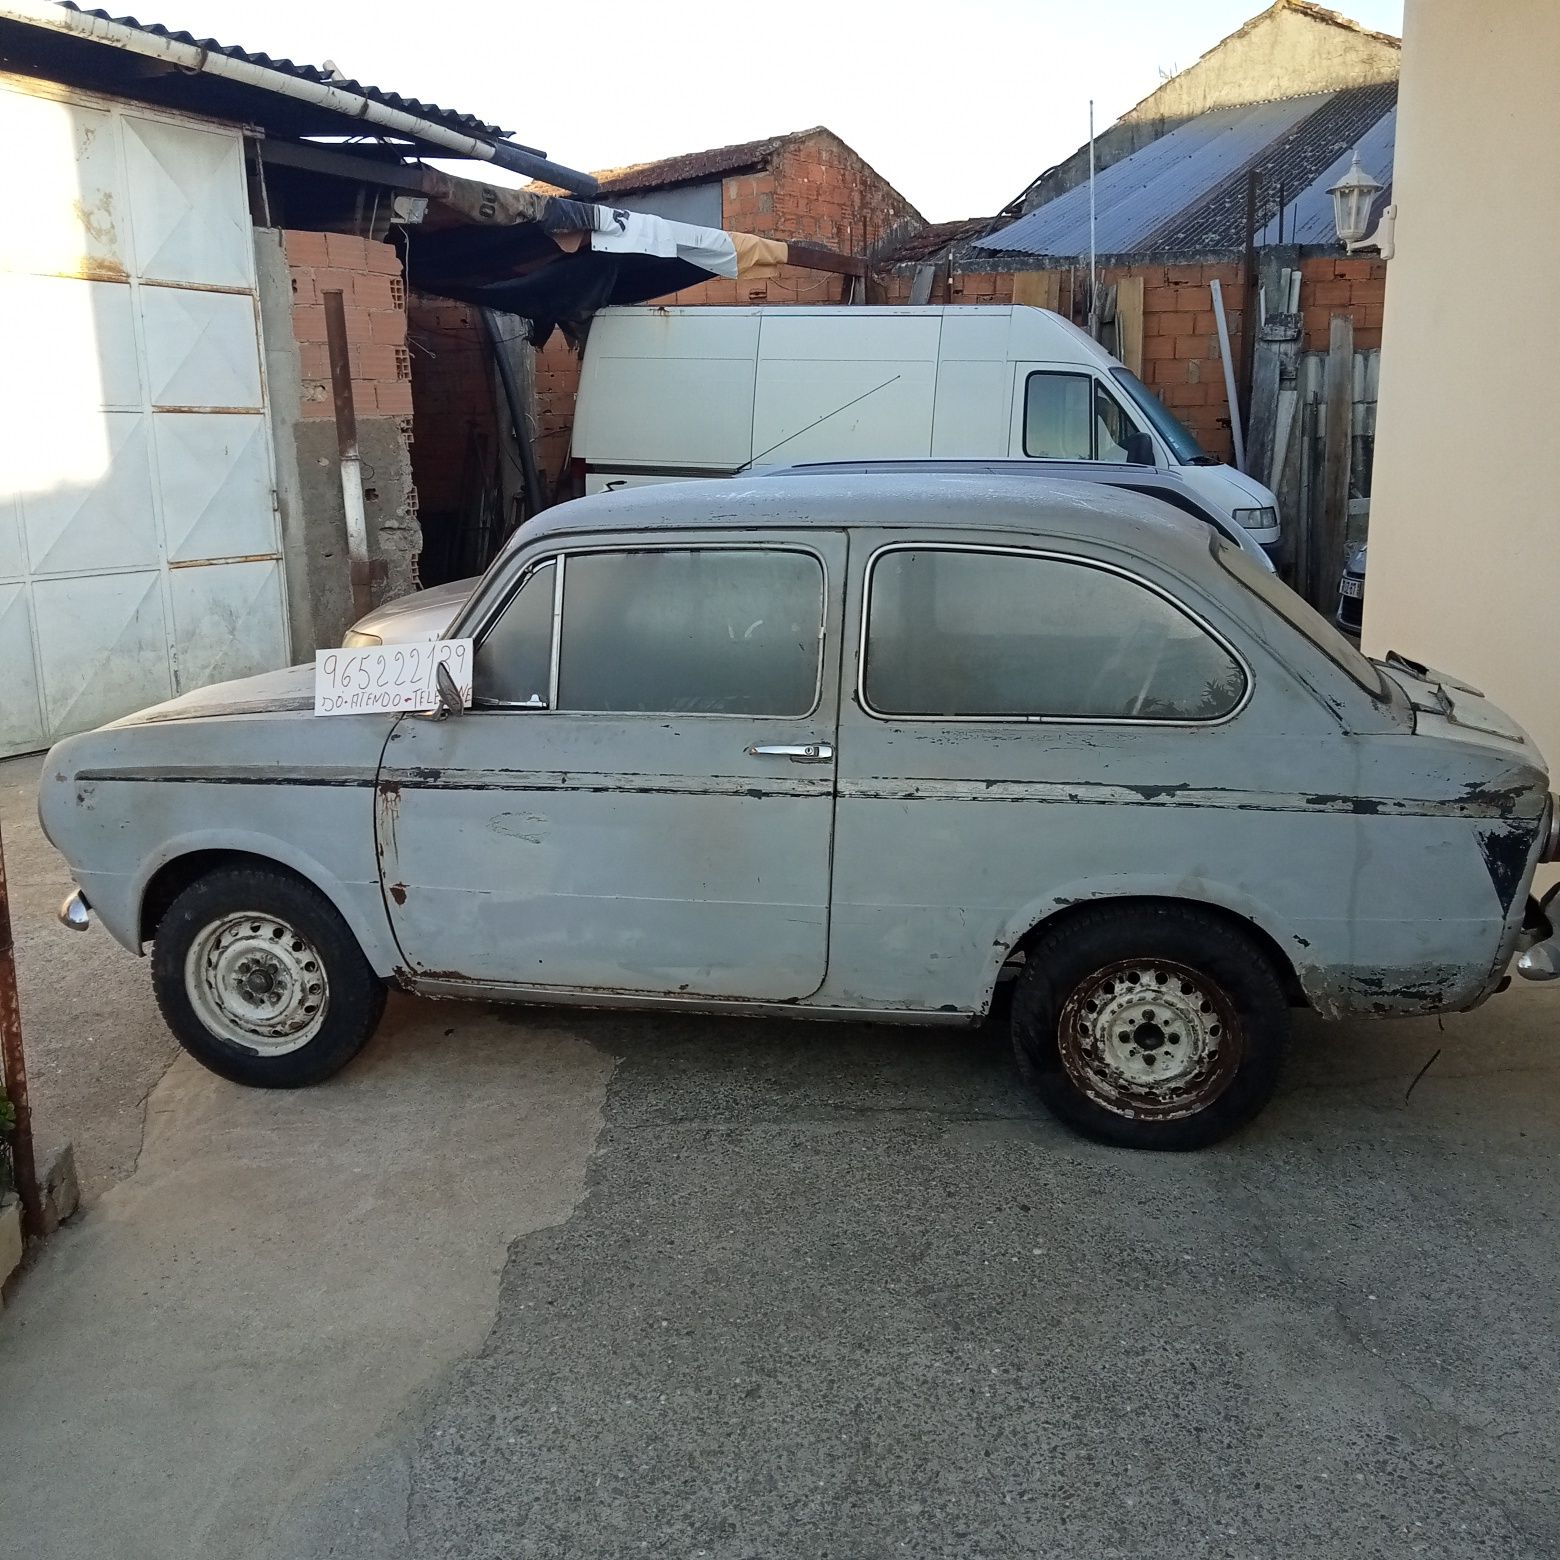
(557, 385)
(368, 276)
(453, 392)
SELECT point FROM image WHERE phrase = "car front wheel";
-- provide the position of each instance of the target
(261, 980)
(1150, 1026)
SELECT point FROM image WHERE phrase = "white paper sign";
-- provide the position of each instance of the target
(388, 678)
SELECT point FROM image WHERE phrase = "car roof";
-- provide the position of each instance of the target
(1058, 507)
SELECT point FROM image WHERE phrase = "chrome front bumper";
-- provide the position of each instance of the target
(76, 913)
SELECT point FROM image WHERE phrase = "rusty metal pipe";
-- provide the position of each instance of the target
(15, 1071)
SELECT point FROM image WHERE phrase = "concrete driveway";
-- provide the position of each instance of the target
(544, 1284)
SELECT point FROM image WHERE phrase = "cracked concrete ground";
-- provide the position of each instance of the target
(775, 1290)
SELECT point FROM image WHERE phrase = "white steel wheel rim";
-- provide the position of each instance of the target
(1150, 1039)
(256, 981)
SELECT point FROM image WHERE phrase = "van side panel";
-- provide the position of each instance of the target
(833, 386)
(973, 385)
(669, 389)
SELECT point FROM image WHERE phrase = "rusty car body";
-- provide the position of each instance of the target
(845, 745)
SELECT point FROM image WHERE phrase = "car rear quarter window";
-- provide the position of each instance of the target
(991, 634)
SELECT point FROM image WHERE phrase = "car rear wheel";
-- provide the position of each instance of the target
(1150, 1026)
(261, 980)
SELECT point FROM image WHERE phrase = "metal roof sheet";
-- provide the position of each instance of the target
(1138, 195)
(467, 123)
(1287, 169)
(1309, 218)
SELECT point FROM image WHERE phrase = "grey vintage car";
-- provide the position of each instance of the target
(842, 746)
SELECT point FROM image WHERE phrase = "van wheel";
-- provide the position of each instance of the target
(260, 979)
(1150, 1026)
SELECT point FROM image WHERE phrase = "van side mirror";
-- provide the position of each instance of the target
(1140, 449)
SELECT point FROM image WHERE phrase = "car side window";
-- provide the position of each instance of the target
(956, 633)
(1058, 416)
(514, 660)
(1074, 417)
(710, 630)
(1112, 426)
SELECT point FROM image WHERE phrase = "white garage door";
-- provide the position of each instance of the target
(139, 542)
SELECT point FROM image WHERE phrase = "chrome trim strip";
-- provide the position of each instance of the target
(555, 645)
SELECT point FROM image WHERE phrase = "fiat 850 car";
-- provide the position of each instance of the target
(849, 745)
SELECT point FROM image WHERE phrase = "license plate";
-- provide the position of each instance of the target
(1352, 587)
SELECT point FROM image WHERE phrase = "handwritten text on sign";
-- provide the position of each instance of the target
(388, 677)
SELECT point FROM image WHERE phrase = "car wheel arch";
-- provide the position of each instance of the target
(170, 876)
(1284, 963)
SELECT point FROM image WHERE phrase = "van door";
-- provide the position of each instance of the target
(1064, 411)
(642, 797)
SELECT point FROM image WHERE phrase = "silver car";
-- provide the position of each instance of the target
(840, 746)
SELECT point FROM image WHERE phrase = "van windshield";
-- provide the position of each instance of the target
(1183, 443)
(1301, 616)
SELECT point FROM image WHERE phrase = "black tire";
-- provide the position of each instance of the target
(314, 955)
(1087, 1016)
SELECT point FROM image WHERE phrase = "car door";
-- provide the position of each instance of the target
(1026, 717)
(641, 798)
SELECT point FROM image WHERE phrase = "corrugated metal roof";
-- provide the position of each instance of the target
(1289, 166)
(1309, 218)
(1186, 192)
(467, 123)
(1139, 195)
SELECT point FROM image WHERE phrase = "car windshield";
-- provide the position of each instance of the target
(1183, 443)
(1301, 616)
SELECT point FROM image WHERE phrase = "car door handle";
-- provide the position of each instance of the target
(797, 752)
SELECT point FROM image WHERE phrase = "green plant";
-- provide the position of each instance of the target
(7, 1126)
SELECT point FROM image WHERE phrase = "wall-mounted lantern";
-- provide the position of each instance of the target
(1353, 196)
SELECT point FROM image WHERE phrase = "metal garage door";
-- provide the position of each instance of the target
(139, 542)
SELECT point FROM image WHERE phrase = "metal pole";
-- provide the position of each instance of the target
(347, 449)
(1248, 307)
(1094, 289)
(15, 1071)
(530, 477)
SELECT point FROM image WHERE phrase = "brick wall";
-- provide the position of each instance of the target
(368, 276)
(454, 389)
(1181, 361)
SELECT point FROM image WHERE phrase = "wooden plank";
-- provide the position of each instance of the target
(1129, 322)
(921, 285)
(1038, 289)
(1332, 514)
(1237, 432)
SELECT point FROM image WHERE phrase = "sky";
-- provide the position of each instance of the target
(959, 104)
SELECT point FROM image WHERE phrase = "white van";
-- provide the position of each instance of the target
(705, 392)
